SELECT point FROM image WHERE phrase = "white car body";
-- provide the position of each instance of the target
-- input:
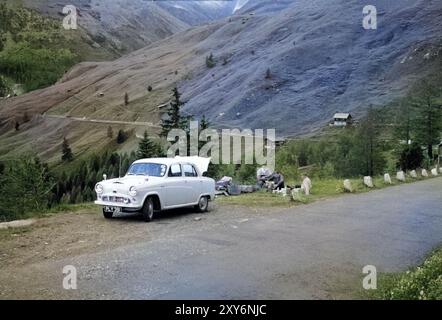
(172, 183)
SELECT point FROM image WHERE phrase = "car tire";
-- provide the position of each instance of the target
(108, 215)
(148, 210)
(203, 204)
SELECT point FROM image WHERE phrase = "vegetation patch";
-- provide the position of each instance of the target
(33, 48)
(421, 283)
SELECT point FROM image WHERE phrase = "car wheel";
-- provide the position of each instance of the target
(108, 215)
(148, 210)
(203, 204)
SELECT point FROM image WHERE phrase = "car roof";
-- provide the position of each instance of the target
(166, 161)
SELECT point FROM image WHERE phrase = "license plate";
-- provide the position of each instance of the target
(112, 209)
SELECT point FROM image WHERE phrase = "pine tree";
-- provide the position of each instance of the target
(174, 119)
(403, 128)
(268, 74)
(121, 137)
(204, 123)
(210, 61)
(429, 115)
(17, 126)
(368, 143)
(147, 148)
(126, 99)
(66, 151)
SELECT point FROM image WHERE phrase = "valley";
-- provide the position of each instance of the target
(316, 68)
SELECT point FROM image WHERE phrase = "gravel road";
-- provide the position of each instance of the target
(309, 251)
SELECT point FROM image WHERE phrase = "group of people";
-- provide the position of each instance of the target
(277, 182)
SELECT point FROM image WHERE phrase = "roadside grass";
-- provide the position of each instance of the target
(256, 199)
(423, 282)
(81, 207)
(322, 189)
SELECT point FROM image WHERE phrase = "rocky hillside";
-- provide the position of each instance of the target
(290, 70)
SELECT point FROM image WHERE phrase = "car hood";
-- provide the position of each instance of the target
(122, 185)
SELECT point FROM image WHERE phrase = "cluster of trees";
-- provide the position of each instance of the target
(77, 184)
(352, 152)
(26, 187)
(418, 118)
(4, 88)
(35, 53)
(399, 137)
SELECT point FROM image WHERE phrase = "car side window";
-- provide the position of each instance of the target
(189, 170)
(175, 170)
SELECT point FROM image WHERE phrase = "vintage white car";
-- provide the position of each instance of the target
(153, 185)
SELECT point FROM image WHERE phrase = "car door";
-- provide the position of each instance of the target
(174, 185)
(192, 183)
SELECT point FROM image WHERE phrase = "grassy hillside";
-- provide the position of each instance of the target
(35, 51)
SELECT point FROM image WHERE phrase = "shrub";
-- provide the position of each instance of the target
(411, 157)
(210, 61)
(421, 283)
(121, 137)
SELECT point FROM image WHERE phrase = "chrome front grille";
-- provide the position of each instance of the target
(115, 199)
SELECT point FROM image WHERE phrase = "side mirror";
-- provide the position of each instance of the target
(104, 176)
(205, 174)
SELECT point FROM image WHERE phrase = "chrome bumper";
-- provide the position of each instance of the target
(119, 200)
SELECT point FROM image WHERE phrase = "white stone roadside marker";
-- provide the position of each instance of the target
(387, 178)
(347, 186)
(368, 181)
(400, 176)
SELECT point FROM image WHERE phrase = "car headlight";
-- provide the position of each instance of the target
(98, 188)
(133, 191)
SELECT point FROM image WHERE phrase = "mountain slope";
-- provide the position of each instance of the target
(120, 26)
(319, 64)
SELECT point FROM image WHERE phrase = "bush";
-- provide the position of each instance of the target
(25, 186)
(121, 137)
(421, 283)
(411, 157)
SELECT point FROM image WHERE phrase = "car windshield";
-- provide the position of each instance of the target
(147, 169)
